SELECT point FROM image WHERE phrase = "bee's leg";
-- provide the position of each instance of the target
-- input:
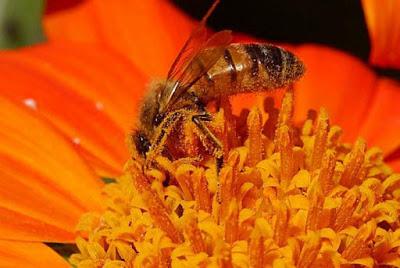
(161, 134)
(199, 120)
(218, 149)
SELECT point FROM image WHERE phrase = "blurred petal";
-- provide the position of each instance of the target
(395, 164)
(339, 82)
(29, 255)
(381, 125)
(383, 23)
(75, 24)
(89, 94)
(149, 32)
(45, 184)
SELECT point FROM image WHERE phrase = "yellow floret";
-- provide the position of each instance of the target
(291, 197)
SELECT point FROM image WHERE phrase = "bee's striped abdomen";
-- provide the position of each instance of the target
(231, 65)
(272, 58)
(249, 67)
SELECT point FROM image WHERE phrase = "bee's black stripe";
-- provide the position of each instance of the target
(275, 56)
(231, 66)
(272, 59)
(254, 53)
(284, 59)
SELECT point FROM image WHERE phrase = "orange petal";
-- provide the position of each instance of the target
(149, 32)
(383, 23)
(89, 94)
(73, 24)
(45, 185)
(339, 82)
(381, 126)
(395, 164)
(29, 255)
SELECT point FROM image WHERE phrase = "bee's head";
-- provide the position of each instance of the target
(150, 114)
(141, 143)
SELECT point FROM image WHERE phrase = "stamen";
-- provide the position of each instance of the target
(226, 191)
(285, 199)
(256, 248)
(255, 138)
(285, 114)
(310, 251)
(281, 223)
(285, 148)
(155, 206)
(354, 168)
(184, 179)
(194, 234)
(326, 173)
(359, 246)
(256, 252)
(345, 211)
(315, 212)
(202, 195)
(321, 137)
(232, 222)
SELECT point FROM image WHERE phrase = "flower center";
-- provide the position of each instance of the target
(286, 196)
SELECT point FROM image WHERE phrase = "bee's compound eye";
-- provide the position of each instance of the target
(142, 143)
(158, 119)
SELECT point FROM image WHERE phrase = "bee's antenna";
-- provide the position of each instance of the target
(209, 12)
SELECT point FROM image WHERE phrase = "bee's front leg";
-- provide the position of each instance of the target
(161, 134)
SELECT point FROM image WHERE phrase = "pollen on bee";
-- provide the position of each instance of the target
(290, 194)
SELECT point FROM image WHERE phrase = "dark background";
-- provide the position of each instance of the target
(337, 23)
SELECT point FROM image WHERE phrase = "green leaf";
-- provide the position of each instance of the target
(64, 250)
(20, 23)
(108, 180)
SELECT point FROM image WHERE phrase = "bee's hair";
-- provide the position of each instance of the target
(149, 107)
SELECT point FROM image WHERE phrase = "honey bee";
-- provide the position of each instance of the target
(204, 70)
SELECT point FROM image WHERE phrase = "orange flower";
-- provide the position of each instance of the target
(385, 41)
(67, 105)
(287, 198)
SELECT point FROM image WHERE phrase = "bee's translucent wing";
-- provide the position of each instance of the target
(192, 45)
(199, 61)
(188, 51)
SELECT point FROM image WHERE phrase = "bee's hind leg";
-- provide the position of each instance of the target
(199, 120)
